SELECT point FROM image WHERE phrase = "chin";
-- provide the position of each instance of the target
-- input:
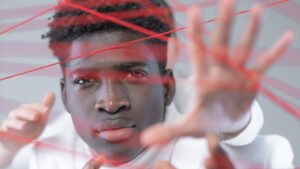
(121, 156)
(118, 153)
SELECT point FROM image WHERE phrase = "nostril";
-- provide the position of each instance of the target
(112, 107)
(123, 107)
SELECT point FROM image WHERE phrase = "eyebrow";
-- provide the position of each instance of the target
(130, 65)
(119, 67)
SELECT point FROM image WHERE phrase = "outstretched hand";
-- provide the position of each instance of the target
(223, 88)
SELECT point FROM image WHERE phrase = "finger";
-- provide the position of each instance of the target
(210, 164)
(25, 114)
(173, 52)
(15, 124)
(36, 107)
(212, 142)
(244, 47)
(95, 163)
(218, 157)
(18, 128)
(49, 100)
(274, 53)
(166, 132)
(13, 136)
(164, 165)
(222, 32)
(195, 45)
(33, 112)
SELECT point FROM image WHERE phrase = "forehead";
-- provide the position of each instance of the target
(110, 51)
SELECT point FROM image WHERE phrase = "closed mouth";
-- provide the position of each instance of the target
(115, 130)
(114, 124)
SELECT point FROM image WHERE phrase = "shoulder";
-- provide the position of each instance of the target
(280, 152)
(54, 145)
(56, 138)
(267, 151)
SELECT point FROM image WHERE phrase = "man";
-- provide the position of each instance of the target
(113, 97)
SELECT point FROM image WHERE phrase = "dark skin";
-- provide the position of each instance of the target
(114, 85)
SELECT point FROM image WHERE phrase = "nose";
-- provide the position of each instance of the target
(112, 98)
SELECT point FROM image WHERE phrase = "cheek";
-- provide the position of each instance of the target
(80, 100)
(80, 105)
(148, 104)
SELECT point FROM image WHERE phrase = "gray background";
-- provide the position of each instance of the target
(23, 49)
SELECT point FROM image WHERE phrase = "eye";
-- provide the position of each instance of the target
(136, 75)
(85, 81)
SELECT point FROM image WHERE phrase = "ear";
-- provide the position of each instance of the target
(169, 86)
(63, 91)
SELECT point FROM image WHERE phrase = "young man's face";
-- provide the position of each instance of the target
(110, 95)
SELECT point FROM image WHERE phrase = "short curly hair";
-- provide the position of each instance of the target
(69, 24)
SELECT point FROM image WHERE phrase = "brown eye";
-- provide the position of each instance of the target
(136, 74)
(85, 81)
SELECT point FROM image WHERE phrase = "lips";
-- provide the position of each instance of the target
(115, 130)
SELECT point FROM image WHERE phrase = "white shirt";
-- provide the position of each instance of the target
(62, 148)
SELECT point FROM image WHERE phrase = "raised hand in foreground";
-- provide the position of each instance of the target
(23, 125)
(222, 88)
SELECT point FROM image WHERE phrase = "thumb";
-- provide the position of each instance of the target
(166, 133)
(49, 100)
(95, 163)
